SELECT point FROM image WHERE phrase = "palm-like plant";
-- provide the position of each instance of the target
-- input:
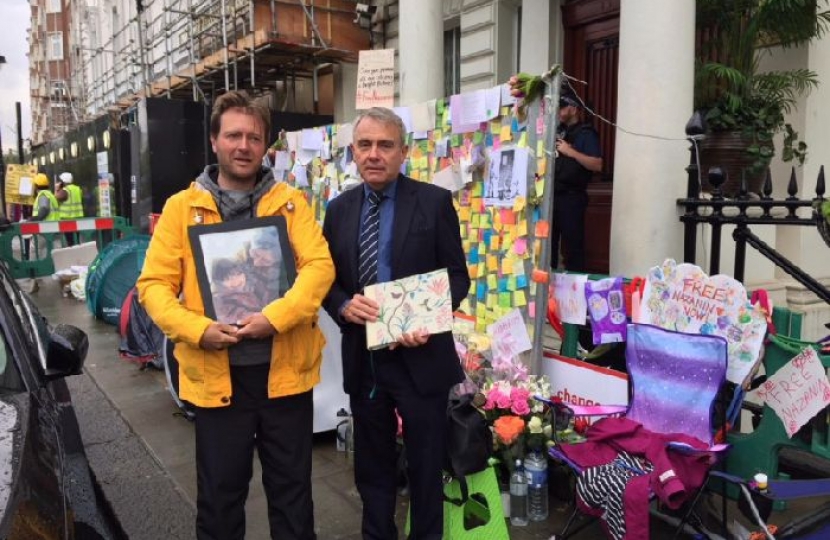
(729, 86)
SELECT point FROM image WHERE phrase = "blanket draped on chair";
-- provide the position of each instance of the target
(623, 463)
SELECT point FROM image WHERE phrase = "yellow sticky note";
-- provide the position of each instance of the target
(506, 266)
(492, 299)
(481, 310)
(505, 135)
(415, 174)
(522, 140)
(464, 214)
(492, 282)
(495, 242)
(482, 249)
(540, 147)
(521, 228)
(481, 269)
(539, 187)
(519, 204)
(495, 127)
(511, 283)
(492, 263)
(475, 221)
(519, 299)
(485, 221)
(541, 166)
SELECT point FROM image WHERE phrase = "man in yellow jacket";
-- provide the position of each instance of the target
(251, 382)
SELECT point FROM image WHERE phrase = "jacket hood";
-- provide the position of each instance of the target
(229, 207)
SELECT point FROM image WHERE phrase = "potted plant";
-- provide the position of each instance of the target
(744, 107)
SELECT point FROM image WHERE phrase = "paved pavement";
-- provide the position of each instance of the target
(141, 450)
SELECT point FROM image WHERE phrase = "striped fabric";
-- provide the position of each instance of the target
(368, 242)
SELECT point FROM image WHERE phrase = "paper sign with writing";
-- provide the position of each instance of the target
(569, 290)
(15, 178)
(419, 303)
(375, 79)
(681, 297)
(798, 391)
(509, 336)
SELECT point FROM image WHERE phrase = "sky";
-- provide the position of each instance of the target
(14, 74)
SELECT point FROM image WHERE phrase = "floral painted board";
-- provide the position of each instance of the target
(419, 303)
(683, 298)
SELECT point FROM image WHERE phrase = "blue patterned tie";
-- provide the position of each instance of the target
(368, 245)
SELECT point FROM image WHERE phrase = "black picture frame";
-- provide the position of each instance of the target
(235, 279)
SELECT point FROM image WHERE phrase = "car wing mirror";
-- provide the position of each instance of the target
(68, 347)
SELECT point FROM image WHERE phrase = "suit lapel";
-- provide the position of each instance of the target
(405, 201)
(351, 225)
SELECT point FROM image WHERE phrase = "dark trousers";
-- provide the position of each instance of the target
(375, 427)
(281, 431)
(569, 226)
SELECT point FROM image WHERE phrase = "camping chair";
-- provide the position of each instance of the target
(662, 445)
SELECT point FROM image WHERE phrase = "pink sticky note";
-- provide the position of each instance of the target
(531, 309)
(540, 125)
(520, 246)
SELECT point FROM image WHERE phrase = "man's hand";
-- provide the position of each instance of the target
(564, 148)
(255, 326)
(415, 339)
(219, 336)
(360, 309)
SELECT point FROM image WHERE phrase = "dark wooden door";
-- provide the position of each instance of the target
(592, 30)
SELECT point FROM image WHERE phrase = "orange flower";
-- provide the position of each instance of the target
(508, 428)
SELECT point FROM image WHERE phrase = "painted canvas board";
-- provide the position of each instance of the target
(419, 303)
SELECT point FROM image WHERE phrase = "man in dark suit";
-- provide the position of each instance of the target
(415, 230)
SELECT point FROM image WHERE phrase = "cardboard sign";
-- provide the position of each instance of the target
(681, 297)
(798, 391)
(18, 176)
(375, 79)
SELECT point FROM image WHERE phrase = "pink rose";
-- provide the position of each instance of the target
(492, 398)
(503, 401)
(520, 407)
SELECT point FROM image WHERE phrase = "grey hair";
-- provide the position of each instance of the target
(384, 116)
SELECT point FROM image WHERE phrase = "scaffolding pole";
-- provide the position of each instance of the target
(550, 108)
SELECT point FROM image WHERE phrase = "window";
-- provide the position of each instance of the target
(452, 61)
(53, 6)
(55, 51)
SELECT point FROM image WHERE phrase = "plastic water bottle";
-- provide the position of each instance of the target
(536, 467)
(518, 496)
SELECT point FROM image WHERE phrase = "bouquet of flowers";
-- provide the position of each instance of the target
(520, 423)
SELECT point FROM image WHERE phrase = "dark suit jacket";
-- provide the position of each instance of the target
(425, 237)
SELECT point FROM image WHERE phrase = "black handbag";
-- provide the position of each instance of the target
(469, 442)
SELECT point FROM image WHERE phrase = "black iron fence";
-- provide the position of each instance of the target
(746, 210)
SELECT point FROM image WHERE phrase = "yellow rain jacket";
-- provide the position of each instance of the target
(297, 351)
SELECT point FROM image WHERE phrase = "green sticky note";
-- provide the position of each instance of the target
(505, 300)
(478, 137)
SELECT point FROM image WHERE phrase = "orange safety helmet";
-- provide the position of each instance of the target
(41, 180)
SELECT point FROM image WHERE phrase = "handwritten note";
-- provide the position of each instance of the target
(509, 335)
(375, 79)
(569, 290)
(798, 391)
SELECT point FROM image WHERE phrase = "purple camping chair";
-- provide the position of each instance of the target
(660, 446)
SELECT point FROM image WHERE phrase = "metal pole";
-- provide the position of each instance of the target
(553, 81)
(252, 30)
(19, 132)
(225, 45)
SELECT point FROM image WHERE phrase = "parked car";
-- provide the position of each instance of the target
(46, 488)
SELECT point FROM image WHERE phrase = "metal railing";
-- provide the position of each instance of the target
(744, 211)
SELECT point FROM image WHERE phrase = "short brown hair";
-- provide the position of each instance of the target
(238, 99)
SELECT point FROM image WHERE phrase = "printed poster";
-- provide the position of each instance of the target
(375, 79)
(798, 391)
(419, 303)
(507, 179)
(683, 298)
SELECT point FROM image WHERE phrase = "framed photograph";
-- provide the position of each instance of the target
(242, 265)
